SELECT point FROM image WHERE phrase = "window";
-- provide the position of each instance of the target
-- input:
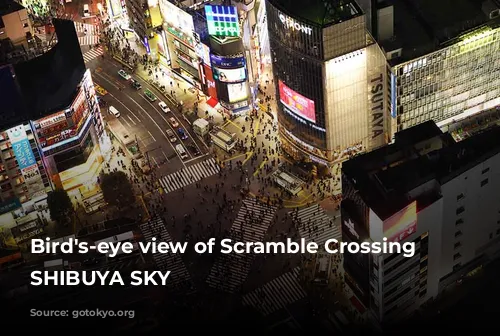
(459, 197)
(456, 256)
(459, 221)
(457, 267)
(485, 170)
(458, 234)
(460, 210)
(457, 245)
(498, 232)
(484, 182)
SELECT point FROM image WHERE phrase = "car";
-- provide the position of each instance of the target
(171, 136)
(149, 95)
(124, 75)
(181, 151)
(182, 133)
(164, 107)
(193, 149)
(86, 10)
(135, 84)
(173, 122)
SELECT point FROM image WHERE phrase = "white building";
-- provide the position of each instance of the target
(427, 189)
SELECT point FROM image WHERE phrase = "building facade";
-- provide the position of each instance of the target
(432, 191)
(452, 83)
(332, 82)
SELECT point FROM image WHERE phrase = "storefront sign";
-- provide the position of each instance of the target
(52, 120)
(227, 62)
(8, 206)
(293, 25)
(377, 105)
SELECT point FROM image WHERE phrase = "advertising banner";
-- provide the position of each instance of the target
(212, 91)
(222, 20)
(227, 62)
(300, 105)
(237, 92)
(402, 224)
(229, 75)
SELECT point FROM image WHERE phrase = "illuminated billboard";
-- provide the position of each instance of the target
(237, 92)
(227, 62)
(402, 224)
(222, 20)
(21, 147)
(296, 103)
(209, 76)
(176, 17)
(229, 75)
(116, 7)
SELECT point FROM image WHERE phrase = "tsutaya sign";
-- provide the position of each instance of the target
(294, 25)
(377, 105)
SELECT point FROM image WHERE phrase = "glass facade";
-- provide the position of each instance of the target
(297, 58)
(450, 84)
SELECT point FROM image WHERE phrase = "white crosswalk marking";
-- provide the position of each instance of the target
(179, 275)
(86, 28)
(88, 39)
(276, 294)
(315, 225)
(230, 271)
(92, 53)
(189, 175)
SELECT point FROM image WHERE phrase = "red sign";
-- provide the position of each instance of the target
(296, 103)
(405, 233)
(209, 76)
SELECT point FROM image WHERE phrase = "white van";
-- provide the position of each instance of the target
(114, 111)
(182, 152)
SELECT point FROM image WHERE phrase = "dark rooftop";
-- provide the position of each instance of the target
(9, 6)
(319, 12)
(43, 85)
(421, 26)
(385, 176)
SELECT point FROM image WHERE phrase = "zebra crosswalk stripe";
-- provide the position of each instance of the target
(315, 225)
(230, 271)
(166, 261)
(92, 53)
(276, 294)
(88, 39)
(189, 175)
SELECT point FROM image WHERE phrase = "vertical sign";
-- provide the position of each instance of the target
(26, 159)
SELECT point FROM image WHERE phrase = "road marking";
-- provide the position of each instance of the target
(156, 162)
(152, 136)
(126, 107)
(250, 154)
(196, 158)
(165, 155)
(256, 129)
(133, 122)
(104, 78)
(113, 79)
(234, 124)
(256, 172)
(126, 122)
(161, 131)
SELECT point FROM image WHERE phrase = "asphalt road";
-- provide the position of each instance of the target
(144, 119)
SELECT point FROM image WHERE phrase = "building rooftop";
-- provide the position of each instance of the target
(9, 6)
(319, 12)
(422, 26)
(385, 177)
(45, 84)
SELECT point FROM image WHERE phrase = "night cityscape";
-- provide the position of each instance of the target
(327, 123)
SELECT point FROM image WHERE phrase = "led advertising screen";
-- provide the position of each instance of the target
(402, 224)
(176, 16)
(230, 75)
(298, 104)
(222, 20)
(237, 92)
(227, 62)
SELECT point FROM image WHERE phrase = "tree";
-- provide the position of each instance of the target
(117, 189)
(59, 205)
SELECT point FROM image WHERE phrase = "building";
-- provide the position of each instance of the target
(444, 58)
(15, 24)
(144, 16)
(428, 189)
(51, 136)
(331, 78)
